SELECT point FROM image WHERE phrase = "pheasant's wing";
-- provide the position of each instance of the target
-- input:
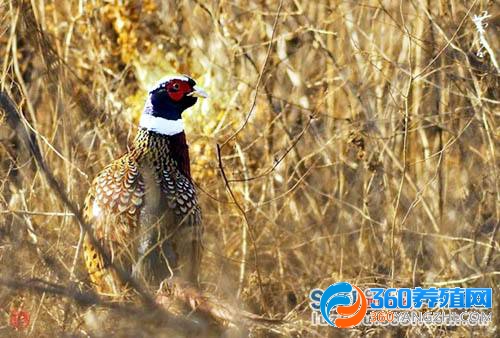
(187, 237)
(112, 208)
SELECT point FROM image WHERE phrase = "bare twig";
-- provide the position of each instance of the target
(247, 224)
(259, 79)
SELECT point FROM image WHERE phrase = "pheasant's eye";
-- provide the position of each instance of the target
(175, 86)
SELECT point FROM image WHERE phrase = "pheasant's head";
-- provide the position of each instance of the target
(166, 102)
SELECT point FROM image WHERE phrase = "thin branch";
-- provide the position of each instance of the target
(259, 79)
(247, 224)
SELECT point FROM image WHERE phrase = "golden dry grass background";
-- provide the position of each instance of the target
(359, 141)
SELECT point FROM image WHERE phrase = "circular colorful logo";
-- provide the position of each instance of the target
(340, 296)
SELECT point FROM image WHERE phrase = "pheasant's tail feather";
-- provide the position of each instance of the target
(217, 309)
(101, 277)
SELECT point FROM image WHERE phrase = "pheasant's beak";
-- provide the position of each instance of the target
(198, 92)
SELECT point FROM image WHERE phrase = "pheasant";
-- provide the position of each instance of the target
(142, 207)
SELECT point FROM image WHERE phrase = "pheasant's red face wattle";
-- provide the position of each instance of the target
(176, 89)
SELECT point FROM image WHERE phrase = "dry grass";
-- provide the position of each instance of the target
(359, 142)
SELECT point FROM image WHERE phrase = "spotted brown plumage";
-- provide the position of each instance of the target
(143, 208)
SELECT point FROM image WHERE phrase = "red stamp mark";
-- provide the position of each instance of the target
(19, 319)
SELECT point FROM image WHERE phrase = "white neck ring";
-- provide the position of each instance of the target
(161, 125)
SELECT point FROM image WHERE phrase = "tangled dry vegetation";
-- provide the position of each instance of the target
(343, 141)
